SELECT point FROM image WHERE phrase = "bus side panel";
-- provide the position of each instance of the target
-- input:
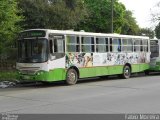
(143, 67)
(93, 72)
(115, 69)
(57, 74)
(99, 64)
(139, 67)
(52, 75)
(100, 71)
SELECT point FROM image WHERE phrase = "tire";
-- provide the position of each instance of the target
(126, 72)
(71, 77)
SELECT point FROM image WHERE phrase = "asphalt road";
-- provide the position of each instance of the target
(95, 95)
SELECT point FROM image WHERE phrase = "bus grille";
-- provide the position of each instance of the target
(28, 71)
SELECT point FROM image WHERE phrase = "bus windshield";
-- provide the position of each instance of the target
(32, 50)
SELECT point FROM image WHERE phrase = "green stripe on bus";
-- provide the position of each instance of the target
(60, 73)
(53, 75)
(110, 70)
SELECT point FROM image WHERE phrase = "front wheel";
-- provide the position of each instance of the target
(71, 77)
(126, 72)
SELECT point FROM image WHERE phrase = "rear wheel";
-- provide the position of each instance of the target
(126, 72)
(71, 77)
(146, 72)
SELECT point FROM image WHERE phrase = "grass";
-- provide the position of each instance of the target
(8, 75)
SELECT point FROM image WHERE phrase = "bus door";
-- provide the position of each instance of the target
(57, 50)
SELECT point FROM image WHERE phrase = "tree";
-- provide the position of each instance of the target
(156, 19)
(52, 14)
(99, 19)
(130, 26)
(147, 32)
(9, 19)
(155, 12)
(157, 31)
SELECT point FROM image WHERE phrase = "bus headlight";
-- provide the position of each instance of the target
(19, 72)
(40, 72)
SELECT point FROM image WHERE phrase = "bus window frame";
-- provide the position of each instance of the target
(91, 44)
(76, 44)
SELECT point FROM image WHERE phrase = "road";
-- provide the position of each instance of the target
(95, 95)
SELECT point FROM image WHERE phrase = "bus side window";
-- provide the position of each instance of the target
(101, 45)
(130, 45)
(87, 44)
(107, 45)
(110, 44)
(51, 46)
(55, 45)
(92, 44)
(116, 45)
(137, 46)
(141, 46)
(145, 45)
(119, 45)
(73, 43)
(59, 45)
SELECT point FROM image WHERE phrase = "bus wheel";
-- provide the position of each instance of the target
(126, 72)
(71, 77)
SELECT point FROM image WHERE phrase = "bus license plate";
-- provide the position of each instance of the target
(26, 77)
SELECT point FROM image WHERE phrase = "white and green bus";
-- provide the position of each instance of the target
(155, 56)
(55, 55)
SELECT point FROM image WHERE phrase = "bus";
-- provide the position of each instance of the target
(64, 55)
(155, 56)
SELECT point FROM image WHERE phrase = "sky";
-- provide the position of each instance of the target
(141, 10)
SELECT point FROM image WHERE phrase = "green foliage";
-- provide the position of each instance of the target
(52, 14)
(88, 15)
(130, 26)
(157, 31)
(119, 17)
(147, 32)
(99, 19)
(99, 16)
(8, 24)
(8, 75)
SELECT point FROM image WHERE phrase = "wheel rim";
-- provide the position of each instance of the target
(127, 72)
(72, 77)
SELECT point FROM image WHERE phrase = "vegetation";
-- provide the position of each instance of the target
(7, 75)
(9, 27)
(52, 14)
(99, 18)
(157, 31)
(147, 32)
(156, 19)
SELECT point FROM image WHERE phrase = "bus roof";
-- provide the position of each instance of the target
(71, 32)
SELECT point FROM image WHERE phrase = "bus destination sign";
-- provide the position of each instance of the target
(34, 33)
